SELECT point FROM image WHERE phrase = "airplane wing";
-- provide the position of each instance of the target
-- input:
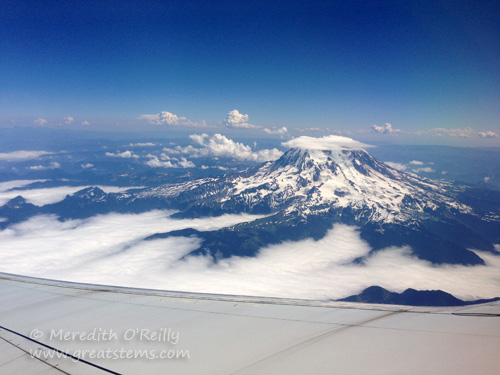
(55, 327)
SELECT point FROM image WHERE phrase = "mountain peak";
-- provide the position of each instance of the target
(326, 143)
(319, 175)
(330, 152)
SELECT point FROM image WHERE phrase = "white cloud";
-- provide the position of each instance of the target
(488, 134)
(145, 144)
(85, 122)
(236, 120)
(424, 169)
(44, 245)
(220, 146)
(416, 162)
(330, 142)
(282, 130)
(467, 132)
(313, 129)
(7, 185)
(385, 129)
(87, 165)
(170, 119)
(184, 163)
(40, 121)
(457, 132)
(307, 269)
(154, 162)
(43, 196)
(22, 155)
(68, 120)
(486, 179)
(174, 151)
(398, 166)
(51, 166)
(125, 154)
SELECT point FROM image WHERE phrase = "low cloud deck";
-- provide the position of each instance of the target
(215, 334)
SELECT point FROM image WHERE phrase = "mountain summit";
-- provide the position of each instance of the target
(322, 181)
(314, 178)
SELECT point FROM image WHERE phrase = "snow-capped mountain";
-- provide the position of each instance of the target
(333, 179)
(318, 182)
(314, 181)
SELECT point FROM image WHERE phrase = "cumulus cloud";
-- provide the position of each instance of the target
(68, 120)
(236, 120)
(170, 119)
(221, 146)
(51, 166)
(40, 121)
(384, 129)
(125, 154)
(85, 122)
(308, 269)
(178, 151)
(87, 165)
(488, 134)
(398, 166)
(218, 145)
(43, 196)
(329, 142)
(22, 155)
(416, 162)
(155, 162)
(184, 163)
(281, 131)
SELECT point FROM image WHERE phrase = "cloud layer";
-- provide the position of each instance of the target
(467, 132)
(22, 155)
(89, 251)
(44, 245)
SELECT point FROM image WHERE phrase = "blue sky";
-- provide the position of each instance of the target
(338, 66)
